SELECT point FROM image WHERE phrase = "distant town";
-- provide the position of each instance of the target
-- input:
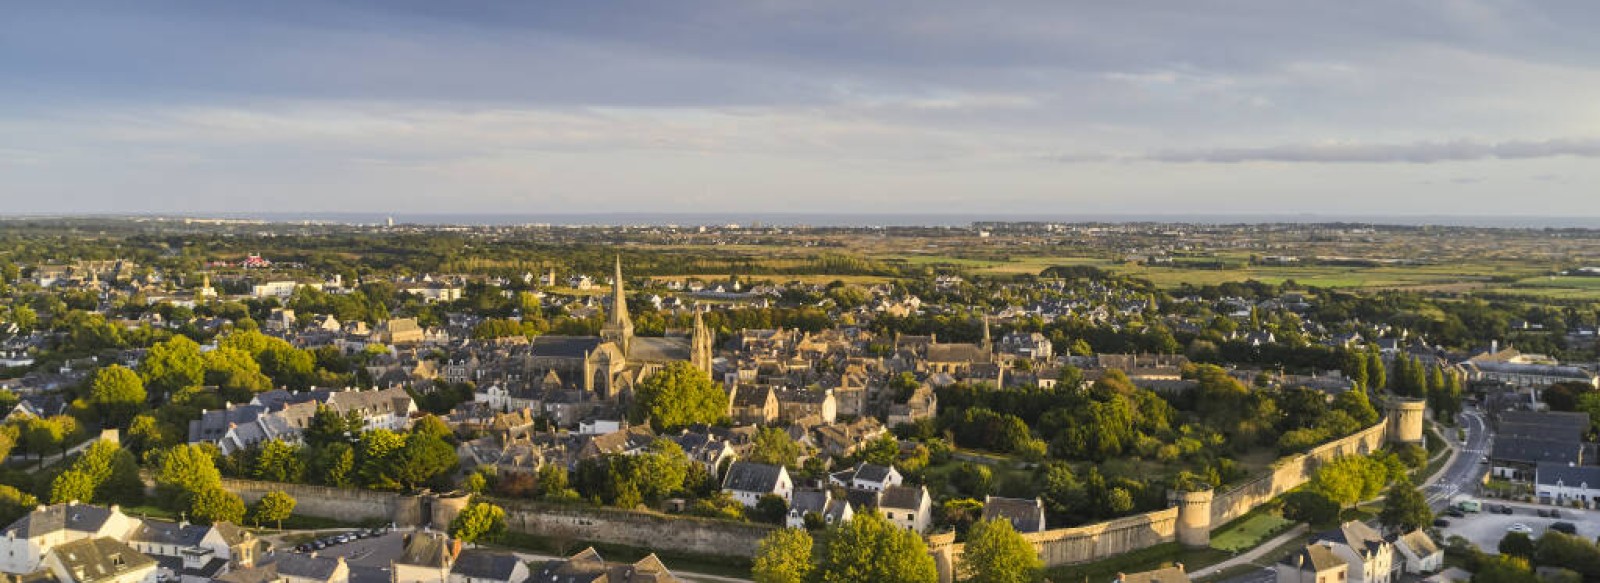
(255, 402)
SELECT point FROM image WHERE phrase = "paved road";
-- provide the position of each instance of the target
(1463, 474)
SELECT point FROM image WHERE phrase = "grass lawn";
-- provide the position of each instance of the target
(1249, 531)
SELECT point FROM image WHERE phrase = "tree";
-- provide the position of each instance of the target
(1310, 506)
(1577, 553)
(117, 394)
(172, 365)
(1504, 569)
(997, 553)
(72, 486)
(676, 396)
(329, 426)
(334, 464)
(771, 509)
(215, 504)
(281, 462)
(1405, 508)
(1350, 479)
(235, 372)
(185, 471)
(15, 504)
(552, 481)
(478, 521)
(423, 458)
(784, 556)
(773, 446)
(870, 548)
(274, 507)
(1516, 544)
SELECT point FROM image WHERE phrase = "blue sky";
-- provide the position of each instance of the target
(1394, 107)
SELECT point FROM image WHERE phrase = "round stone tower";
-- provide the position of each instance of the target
(1405, 420)
(1194, 517)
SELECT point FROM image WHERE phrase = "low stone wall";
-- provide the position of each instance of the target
(342, 504)
(647, 530)
(1290, 472)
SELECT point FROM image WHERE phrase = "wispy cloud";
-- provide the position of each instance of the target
(1413, 153)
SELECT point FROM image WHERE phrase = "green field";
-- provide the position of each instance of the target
(1248, 533)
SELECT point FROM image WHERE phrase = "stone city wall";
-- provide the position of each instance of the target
(1290, 472)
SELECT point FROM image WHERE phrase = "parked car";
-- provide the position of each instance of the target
(1440, 522)
(1543, 513)
(1505, 509)
(1520, 527)
(1565, 527)
(1555, 513)
(1453, 513)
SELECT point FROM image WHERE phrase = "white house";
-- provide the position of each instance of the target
(1562, 484)
(909, 507)
(1419, 553)
(866, 476)
(26, 541)
(99, 560)
(1370, 557)
(747, 482)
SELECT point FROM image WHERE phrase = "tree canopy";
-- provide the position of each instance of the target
(997, 553)
(677, 396)
(870, 548)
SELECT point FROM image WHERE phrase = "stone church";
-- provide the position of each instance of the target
(609, 365)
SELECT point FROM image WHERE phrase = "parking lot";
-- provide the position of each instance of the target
(376, 551)
(1485, 529)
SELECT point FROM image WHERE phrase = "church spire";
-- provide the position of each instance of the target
(619, 327)
(987, 344)
(700, 344)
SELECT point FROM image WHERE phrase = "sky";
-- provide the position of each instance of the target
(1394, 107)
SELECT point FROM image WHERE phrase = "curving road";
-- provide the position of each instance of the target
(1464, 472)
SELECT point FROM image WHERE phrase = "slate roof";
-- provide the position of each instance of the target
(168, 533)
(903, 497)
(1354, 534)
(1026, 515)
(805, 500)
(99, 559)
(76, 517)
(1419, 543)
(481, 564)
(1519, 449)
(565, 346)
(752, 477)
(751, 395)
(305, 566)
(588, 567)
(968, 353)
(872, 473)
(1318, 557)
(1172, 574)
(1548, 474)
(428, 550)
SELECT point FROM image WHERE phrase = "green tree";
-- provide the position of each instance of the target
(72, 486)
(1516, 544)
(214, 504)
(334, 464)
(771, 509)
(1577, 553)
(377, 451)
(478, 521)
(280, 462)
(15, 504)
(784, 556)
(273, 508)
(1376, 375)
(1504, 569)
(172, 365)
(234, 372)
(183, 472)
(117, 394)
(997, 553)
(552, 481)
(329, 426)
(676, 396)
(1350, 479)
(870, 548)
(1405, 508)
(423, 458)
(773, 446)
(1310, 506)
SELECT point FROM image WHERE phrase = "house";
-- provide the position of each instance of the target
(1315, 563)
(1517, 458)
(801, 403)
(753, 404)
(705, 449)
(399, 331)
(747, 482)
(588, 567)
(26, 542)
(99, 560)
(1563, 484)
(1370, 557)
(294, 568)
(195, 553)
(426, 558)
(1173, 574)
(1418, 553)
(922, 404)
(866, 476)
(480, 566)
(909, 507)
(818, 501)
(1024, 515)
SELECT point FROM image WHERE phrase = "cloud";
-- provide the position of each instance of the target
(1413, 153)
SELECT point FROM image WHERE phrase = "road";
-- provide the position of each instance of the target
(1464, 473)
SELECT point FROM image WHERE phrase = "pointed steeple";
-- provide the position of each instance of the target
(619, 327)
(700, 344)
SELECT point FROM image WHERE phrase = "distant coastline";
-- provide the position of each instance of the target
(850, 220)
